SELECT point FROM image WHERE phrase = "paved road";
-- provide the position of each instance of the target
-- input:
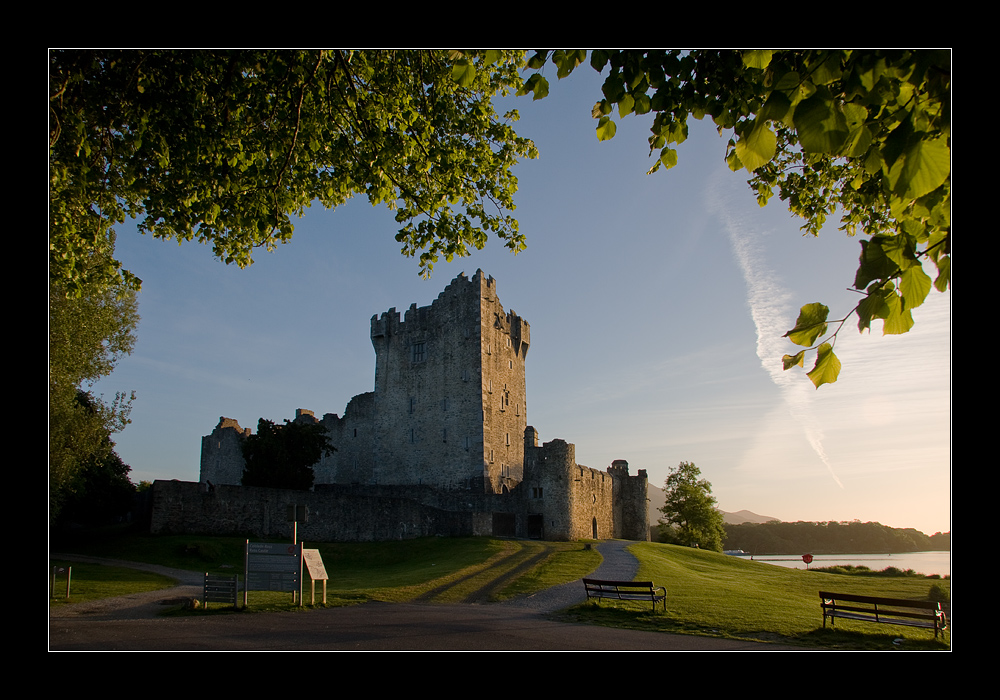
(130, 624)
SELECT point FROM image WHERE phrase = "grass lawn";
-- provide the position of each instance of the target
(438, 569)
(707, 593)
(95, 581)
(715, 595)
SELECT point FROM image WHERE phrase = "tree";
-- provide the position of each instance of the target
(224, 146)
(863, 132)
(87, 337)
(101, 491)
(282, 456)
(690, 509)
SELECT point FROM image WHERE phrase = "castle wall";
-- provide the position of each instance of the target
(505, 338)
(222, 453)
(345, 515)
(353, 437)
(578, 502)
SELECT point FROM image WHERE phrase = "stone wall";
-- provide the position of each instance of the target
(338, 514)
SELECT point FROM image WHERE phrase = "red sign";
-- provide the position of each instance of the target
(807, 558)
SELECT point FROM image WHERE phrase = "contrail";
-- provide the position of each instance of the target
(772, 315)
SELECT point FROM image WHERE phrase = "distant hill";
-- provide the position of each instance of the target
(657, 499)
(745, 516)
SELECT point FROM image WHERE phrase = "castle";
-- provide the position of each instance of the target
(441, 446)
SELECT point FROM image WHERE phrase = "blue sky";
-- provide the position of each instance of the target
(657, 305)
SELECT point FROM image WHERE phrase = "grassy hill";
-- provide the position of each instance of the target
(715, 595)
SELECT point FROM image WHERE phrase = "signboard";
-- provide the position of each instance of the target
(219, 589)
(273, 566)
(314, 564)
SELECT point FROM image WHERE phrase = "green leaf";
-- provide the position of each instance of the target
(463, 72)
(535, 84)
(874, 264)
(821, 126)
(606, 129)
(921, 169)
(777, 107)
(789, 361)
(625, 105)
(944, 274)
(915, 285)
(668, 157)
(898, 320)
(567, 61)
(538, 60)
(757, 59)
(810, 325)
(758, 147)
(733, 161)
(827, 367)
(900, 249)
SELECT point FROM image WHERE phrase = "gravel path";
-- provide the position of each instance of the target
(137, 606)
(618, 564)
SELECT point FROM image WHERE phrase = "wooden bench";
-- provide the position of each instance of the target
(889, 611)
(626, 590)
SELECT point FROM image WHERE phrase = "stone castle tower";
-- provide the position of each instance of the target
(450, 401)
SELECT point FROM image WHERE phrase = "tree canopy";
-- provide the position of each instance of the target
(87, 336)
(690, 510)
(282, 456)
(862, 133)
(224, 147)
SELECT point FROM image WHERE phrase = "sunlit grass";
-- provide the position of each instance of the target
(716, 595)
(567, 561)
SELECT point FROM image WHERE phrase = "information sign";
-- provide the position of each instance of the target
(273, 566)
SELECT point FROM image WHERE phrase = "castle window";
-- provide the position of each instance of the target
(413, 436)
(508, 439)
(419, 352)
(413, 404)
(444, 435)
(444, 404)
(491, 456)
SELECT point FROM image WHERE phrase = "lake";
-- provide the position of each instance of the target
(927, 563)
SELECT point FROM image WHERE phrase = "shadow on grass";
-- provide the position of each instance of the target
(630, 616)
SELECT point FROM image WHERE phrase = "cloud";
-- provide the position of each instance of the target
(772, 314)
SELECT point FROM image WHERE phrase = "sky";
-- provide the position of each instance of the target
(657, 306)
